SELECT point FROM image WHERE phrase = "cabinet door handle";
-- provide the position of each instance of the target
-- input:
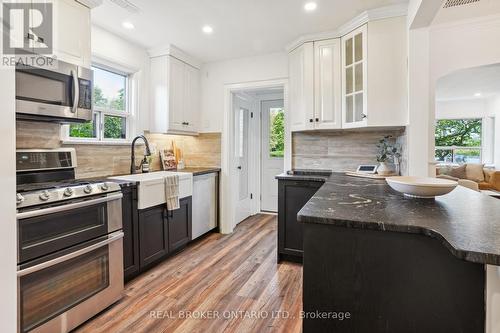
(364, 116)
(40, 39)
(239, 167)
(311, 120)
(317, 119)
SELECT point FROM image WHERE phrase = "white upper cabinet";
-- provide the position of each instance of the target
(354, 63)
(72, 32)
(327, 85)
(387, 90)
(301, 73)
(359, 80)
(375, 75)
(192, 84)
(175, 96)
(315, 86)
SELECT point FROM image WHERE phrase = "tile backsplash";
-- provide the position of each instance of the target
(341, 150)
(106, 160)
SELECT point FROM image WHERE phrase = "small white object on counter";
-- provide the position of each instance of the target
(421, 187)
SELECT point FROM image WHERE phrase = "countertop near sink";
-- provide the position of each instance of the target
(198, 171)
(195, 171)
(465, 221)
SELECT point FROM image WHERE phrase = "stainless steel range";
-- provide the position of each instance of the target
(70, 252)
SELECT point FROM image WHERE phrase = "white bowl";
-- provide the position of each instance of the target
(421, 187)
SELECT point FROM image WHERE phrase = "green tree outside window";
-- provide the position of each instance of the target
(277, 133)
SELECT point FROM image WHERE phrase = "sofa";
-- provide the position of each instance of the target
(486, 178)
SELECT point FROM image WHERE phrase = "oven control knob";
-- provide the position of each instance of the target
(68, 192)
(104, 187)
(44, 196)
(87, 189)
(19, 199)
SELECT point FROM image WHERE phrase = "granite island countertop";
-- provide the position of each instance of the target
(465, 221)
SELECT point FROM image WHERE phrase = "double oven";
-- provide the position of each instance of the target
(70, 251)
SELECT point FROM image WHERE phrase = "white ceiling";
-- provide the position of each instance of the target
(241, 27)
(465, 83)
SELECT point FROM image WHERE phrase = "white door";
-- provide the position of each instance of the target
(241, 110)
(272, 152)
(327, 80)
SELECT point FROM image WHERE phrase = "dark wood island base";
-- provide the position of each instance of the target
(388, 282)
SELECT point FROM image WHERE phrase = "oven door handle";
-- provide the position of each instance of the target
(112, 238)
(63, 208)
(76, 91)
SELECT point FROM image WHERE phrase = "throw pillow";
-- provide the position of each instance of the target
(458, 172)
(474, 172)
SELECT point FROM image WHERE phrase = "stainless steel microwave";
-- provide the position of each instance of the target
(61, 93)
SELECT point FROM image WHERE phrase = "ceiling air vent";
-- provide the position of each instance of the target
(127, 5)
(455, 3)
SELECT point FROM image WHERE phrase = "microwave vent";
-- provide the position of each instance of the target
(127, 5)
(456, 3)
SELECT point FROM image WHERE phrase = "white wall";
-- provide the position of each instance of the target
(494, 110)
(418, 102)
(8, 236)
(110, 48)
(436, 52)
(215, 75)
(460, 109)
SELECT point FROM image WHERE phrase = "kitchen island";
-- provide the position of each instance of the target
(396, 264)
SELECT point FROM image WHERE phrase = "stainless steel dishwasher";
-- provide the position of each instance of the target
(204, 204)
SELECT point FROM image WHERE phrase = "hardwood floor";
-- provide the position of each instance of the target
(233, 280)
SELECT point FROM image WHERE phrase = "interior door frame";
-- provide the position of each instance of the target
(228, 173)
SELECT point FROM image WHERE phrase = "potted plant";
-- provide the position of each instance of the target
(388, 153)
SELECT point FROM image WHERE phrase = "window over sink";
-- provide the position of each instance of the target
(111, 98)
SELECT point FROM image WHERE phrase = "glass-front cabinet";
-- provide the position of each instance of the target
(354, 78)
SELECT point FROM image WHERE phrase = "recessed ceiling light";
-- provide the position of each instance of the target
(128, 25)
(310, 6)
(478, 94)
(207, 29)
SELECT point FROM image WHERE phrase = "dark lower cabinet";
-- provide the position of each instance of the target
(130, 217)
(292, 196)
(153, 235)
(179, 225)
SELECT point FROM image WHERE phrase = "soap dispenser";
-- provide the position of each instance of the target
(145, 165)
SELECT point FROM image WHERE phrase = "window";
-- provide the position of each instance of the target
(459, 140)
(276, 132)
(111, 109)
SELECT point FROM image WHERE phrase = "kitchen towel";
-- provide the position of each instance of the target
(172, 192)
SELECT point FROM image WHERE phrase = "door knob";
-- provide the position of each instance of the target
(239, 167)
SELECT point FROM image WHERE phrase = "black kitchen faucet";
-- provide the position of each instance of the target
(148, 152)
